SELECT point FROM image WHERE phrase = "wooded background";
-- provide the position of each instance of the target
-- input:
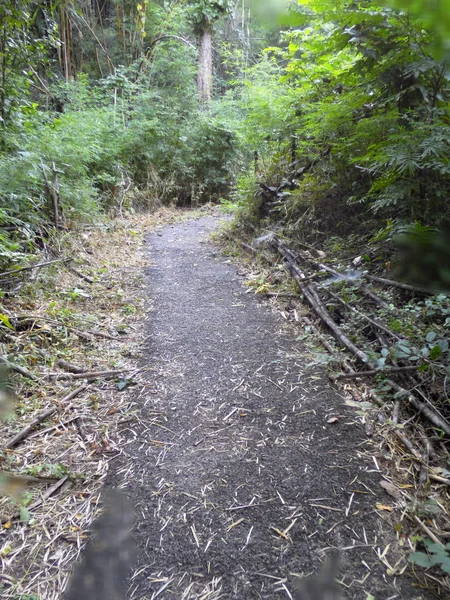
(339, 110)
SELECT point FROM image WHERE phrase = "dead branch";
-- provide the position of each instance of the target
(83, 334)
(67, 366)
(362, 315)
(374, 297)
(44, 496)
(421, 407)
(79, 274)
(35, 266)
(17, 368)
(317, 305)
(315, 302)
(257, 252)
(398, 284)
(408, 445)
(25, 479)
(83, 375)
(41, 417)
(280, 295)
(376, 372)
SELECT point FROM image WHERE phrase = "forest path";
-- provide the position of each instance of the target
(239, 482)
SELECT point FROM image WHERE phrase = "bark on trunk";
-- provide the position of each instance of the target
(204, 79)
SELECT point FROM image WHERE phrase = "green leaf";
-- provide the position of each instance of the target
(431, 336)
(5, 320)
(422, 559)
(435, 352)
(24, 514)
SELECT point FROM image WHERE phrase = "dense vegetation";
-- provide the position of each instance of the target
(339, 125)
(325, 128)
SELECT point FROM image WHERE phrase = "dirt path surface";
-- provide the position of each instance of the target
(240, 483)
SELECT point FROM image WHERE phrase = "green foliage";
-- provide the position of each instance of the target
(360, 105)
(436, 555)
(22, 52)
(135, 132)
(206, 12)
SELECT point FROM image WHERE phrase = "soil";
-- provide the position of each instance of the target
(247, 467)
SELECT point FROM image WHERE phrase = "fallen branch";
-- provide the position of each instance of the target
(17, 368)
(257, 252)
(315, 302)
(67, 366)
(83, 375)
(79, 274)
(408, 445)
(40, 418)
(362, 315)
(317, 305)
(425, 410)
(279, 295)
(25, 479)
(376, 372)
(44, 496)
(428, 531)
(79, 332)
(36, 266)
(374, 297)
(398, 284)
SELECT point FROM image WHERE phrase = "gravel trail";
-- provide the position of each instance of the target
(241, 476)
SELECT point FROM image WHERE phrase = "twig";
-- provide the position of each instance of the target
(78, 332)
(437, 420)
(35, 266)
(80, 428)
(29, 428)
(19, 478)
(374, 297)
(78, 274)
(39, 418)
(376, 372)
(427, 531)
(280, 295)
(408, 444)
(49, 492)
(83, 375)
(315, 302)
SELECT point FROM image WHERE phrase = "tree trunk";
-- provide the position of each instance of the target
(204, 78)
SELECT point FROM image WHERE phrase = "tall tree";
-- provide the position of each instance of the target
(205, 14)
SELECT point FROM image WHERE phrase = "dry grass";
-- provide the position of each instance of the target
(51, 480)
